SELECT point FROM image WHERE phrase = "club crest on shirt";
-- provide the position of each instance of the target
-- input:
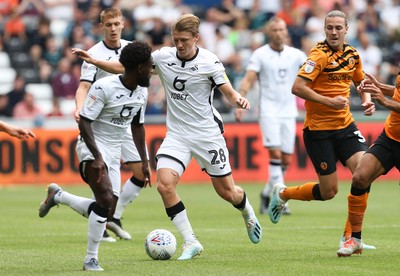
(91, 100)
(310, 65)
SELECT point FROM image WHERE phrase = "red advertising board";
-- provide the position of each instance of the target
(51, 157)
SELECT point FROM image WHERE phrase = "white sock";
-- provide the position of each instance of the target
(275, 176)
(182, 223)
(248, 210)
(129, 192)
(95, 233)
(77, 203)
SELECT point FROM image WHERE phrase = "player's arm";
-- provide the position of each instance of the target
(86, 132)
(112, 66)
(247, 82)
(80, 97)
(301, 89)
(15, 131)
(378, 95)
(234, 98)
(139, 138)
(387, 89)
(245, 85)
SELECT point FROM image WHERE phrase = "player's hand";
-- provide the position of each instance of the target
(339, 102)
(147, 174)
(372, 79)
(99, 168)
(21, 133)
(82, 54)
(369, 108)
(77, 115)
(243, 103)
(376, 93)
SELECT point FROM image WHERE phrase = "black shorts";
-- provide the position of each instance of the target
(387, 151)
(326, 147)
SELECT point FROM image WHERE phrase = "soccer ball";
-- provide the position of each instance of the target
(160, 244)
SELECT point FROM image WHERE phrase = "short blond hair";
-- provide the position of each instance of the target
(187, 23)
(337, 13)
(110, 13)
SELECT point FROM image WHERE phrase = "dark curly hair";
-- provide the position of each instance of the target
(135, 53)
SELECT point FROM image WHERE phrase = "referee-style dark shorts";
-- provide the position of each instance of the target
(326, 147)
(387, 151)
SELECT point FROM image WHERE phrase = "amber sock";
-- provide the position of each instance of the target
(306, 191)
(347, 228)
(357, 204)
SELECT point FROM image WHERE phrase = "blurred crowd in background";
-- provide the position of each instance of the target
(39, 75)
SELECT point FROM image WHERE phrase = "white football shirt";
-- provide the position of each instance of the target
(276, 74)
(112, 107)
(189, 91)
(90, 72)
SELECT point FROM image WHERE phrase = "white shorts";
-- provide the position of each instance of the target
(129, 152)
(111, 158)
(278, 133)
(211, 154)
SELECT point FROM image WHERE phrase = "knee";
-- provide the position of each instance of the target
(105, 199)
(329, 194)
(359, 181)
(164, 187)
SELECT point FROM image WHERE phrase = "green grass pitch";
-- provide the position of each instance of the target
(304, 243)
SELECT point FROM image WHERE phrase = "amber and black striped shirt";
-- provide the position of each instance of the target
(330, 73)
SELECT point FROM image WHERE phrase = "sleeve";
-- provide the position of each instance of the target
(358, 73)
(217, 71)
(88, 72)
(155, 55)
(142, 110)
(94, 103)
(315, 63)
(254, 62)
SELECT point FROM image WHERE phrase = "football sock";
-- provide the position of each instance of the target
(347, 228)
(307, 191)
(96, 227)
(130, 191)
(77, 203)
(245, 207)
(179, 218)
(275, 176)
(357, 204)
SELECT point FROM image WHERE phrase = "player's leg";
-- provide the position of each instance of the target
(131, 188)
(379, 159)
(226, 189)
(104, 195)
(368, 170)
(56, 195)
(212, 155)
(322, 154)
(270, 130)
(275, 176)
(288, 136)
(130, 191)
(168, 175)
(173, 157)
